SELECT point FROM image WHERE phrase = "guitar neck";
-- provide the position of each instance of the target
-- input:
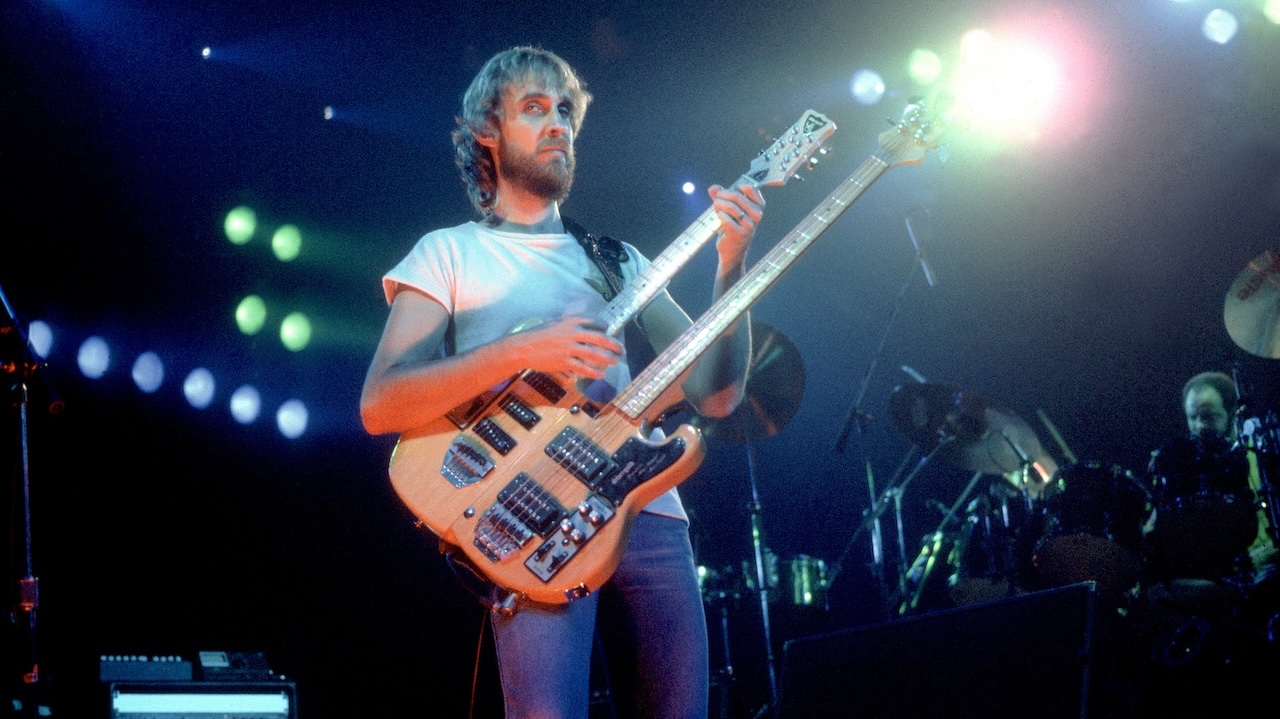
(638, 396)
(786, 156)
(640, 291)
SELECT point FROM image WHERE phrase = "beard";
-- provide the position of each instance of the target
(549, 180)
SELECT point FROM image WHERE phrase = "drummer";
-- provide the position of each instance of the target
(1210, 402)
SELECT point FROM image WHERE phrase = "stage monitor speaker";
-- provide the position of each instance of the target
(1028, 656)
(202, 700)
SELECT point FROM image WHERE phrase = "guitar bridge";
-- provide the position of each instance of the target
(523, 510)
(464, 464)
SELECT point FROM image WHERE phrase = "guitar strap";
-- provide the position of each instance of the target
(606, 252)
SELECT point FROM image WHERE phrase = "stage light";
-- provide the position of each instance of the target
(199, 387)
(251, 315)
(148, 372)
(977, 46)
(291, 419)
(866, 86)
(240, 224)
(206, 52)
(246, 404)
(1271, 10)
(1004, 86)
(688, 188)
(328, 112)
(94, 357)
(295, 331)
(286, 243)
(1220, 26)
(40, 334)
(924, 66)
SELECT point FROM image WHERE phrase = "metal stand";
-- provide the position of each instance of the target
(892, 497)
(762, 579)
(857, 417)
(19, 370)
(923, 566)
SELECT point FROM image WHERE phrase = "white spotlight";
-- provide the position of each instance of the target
(688, 188)
(199, 387)
(1220, 26)
(94, 357)
(40, 335)
(291, 418)
(148, 372)
(867, 86)
(245, 404)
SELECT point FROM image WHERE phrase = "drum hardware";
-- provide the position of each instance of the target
(892, 497)
(966, 431)
(935, 549)
(775, 386)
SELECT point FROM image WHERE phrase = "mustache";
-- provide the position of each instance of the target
(554, 145)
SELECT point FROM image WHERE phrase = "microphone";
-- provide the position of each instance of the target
(924, 262)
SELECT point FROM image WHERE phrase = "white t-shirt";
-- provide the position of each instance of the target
(490, 282)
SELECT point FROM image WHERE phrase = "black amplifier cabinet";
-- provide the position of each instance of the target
(202, 700)
(1018, 658)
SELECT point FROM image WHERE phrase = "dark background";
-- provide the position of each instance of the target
(1082, 275)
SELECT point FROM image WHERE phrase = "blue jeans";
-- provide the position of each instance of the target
(652, 628)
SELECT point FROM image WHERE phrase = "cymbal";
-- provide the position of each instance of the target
(1001, 449)
(977, 436)
(929, 412)
(775, 387)
(1251, 310)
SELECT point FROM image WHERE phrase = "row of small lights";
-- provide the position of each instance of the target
(199, 387)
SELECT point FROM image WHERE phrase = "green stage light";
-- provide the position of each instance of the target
(286, 243)
(251, 315)
(240, 224)
(1272, 11)
(295, 332)
(924, 66)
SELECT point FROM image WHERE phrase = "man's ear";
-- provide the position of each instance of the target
(487, 136)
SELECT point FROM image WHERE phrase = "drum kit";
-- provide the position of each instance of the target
(1174, 547)
(1167, 545)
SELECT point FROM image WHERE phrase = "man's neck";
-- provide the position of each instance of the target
(525, 214)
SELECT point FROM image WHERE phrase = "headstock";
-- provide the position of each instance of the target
(792, 151)
(908, 141)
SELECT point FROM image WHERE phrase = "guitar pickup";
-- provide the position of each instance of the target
(545, 386)
(519, 411)
(464, 465)
(494, 436)
(572, 450)
(535, 507)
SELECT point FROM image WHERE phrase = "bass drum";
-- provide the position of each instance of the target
(1205, 513)
(1091, 521)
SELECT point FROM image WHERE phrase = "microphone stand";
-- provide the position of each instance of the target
(20, 369)
(892, 497)
(859, 418)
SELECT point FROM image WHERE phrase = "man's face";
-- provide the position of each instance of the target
(1206, 414)
(535, 141)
